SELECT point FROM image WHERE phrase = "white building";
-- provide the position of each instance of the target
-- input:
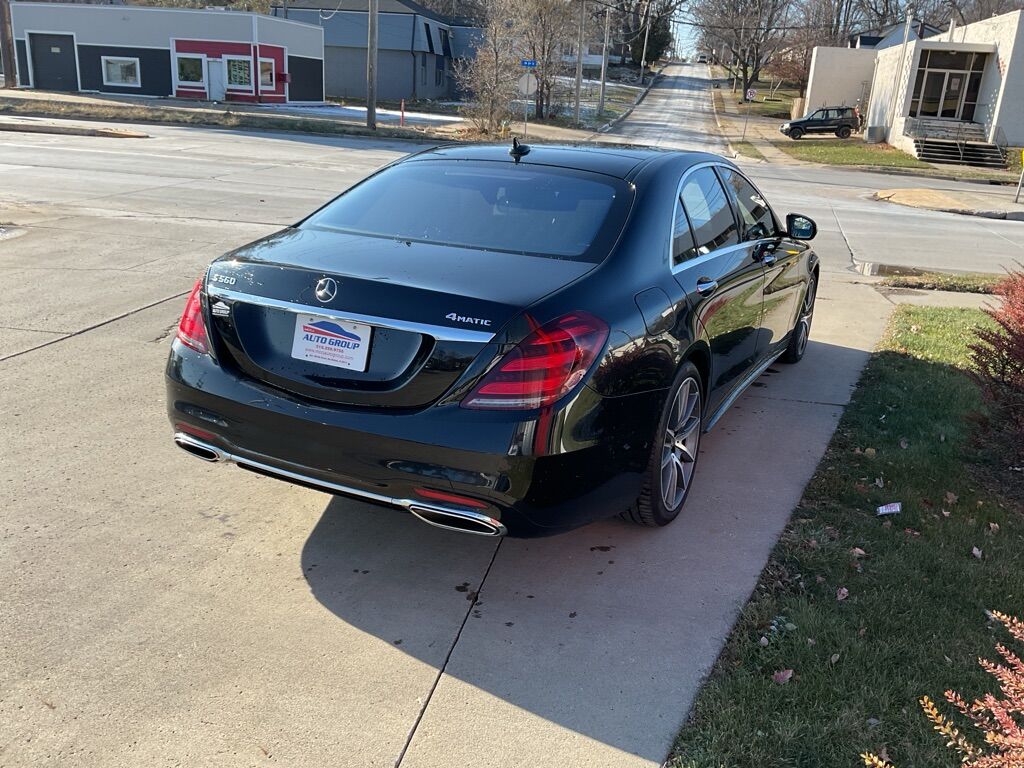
(954, 97)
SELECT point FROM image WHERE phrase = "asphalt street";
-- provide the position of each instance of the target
(676, 114)
(158, 611)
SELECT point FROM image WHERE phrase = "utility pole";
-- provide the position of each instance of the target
(643, 56)
(7, 45)
(284, 8)
(604, 58)
(371, 65)
(579, 57)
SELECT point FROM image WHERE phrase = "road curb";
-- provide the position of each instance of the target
(981, 213)
(914, 174)
(213, 119)
(72, 130)
(721, 130)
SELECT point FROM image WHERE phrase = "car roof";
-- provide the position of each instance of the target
(622, 161)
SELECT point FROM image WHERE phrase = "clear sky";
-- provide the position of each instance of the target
(685, 38)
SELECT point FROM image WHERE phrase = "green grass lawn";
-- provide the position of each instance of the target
(779, 106)
(1014, 157)
(848, 152)
(968, 282)
(912, 619)
(747, 149)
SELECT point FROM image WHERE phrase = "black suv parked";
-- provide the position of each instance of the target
(842, 121)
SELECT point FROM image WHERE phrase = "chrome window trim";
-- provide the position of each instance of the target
(677, 268)
(775, 216)
(439, 332)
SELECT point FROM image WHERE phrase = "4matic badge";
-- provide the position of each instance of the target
(456, 318)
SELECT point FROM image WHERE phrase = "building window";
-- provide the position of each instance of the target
(121, 71)
(190, 71)
(439, 71)
(239, 73)
(423, 69)
(267, 75)
(430, 38)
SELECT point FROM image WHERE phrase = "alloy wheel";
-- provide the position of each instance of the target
(806, 315)
(680, 445)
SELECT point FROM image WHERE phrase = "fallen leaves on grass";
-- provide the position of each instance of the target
(977, 552)
(782, 676)
(842, 593)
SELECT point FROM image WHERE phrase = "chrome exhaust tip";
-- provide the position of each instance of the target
(457, 520)
(196, 448)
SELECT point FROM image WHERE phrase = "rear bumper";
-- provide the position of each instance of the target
(529, 474)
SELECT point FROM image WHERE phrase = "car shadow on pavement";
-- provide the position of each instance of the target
(606, 630)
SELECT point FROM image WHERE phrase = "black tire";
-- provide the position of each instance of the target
(796, 133)
(844, 132)
(651, 508)
(802, 330)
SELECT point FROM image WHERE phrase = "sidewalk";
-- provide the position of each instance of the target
(759, 131)
(23, 124)
(995, 204)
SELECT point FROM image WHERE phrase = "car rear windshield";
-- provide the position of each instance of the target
(486, 205)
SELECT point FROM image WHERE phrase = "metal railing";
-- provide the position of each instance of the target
(960, 145)
(999, 139)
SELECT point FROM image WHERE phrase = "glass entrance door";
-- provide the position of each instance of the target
(931, 94)
(953, 94)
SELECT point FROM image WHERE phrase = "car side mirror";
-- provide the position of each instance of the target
(800, 227)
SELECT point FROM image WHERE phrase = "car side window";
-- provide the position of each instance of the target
(709, 212)
(758, 220)
(819, 115)
(683, 247)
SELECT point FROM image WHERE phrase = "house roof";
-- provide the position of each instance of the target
(921, 28)
(386, 6)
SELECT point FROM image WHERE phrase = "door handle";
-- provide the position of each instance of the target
(706, 286)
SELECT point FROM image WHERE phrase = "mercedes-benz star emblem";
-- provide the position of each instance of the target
(326, 289)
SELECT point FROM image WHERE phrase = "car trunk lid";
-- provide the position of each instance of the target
(395, 324)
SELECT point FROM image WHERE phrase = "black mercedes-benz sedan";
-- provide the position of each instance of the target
(497, 341)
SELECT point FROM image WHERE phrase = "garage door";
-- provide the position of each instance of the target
(54, 66)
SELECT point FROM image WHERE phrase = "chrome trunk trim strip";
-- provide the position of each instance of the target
(439, 332)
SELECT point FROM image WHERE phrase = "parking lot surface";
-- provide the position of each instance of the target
(158, 611)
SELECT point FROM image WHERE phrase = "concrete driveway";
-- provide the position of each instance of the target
(158, 611)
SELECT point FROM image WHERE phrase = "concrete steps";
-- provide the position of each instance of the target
(952, 130)
(979, 154)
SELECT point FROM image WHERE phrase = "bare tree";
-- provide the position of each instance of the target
(490, 76)
(548, 26)
(634, 16)
(752, 31)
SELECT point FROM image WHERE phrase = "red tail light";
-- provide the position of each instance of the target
(545, 365)
(192, 328)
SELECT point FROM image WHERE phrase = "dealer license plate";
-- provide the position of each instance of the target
(332, 342)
